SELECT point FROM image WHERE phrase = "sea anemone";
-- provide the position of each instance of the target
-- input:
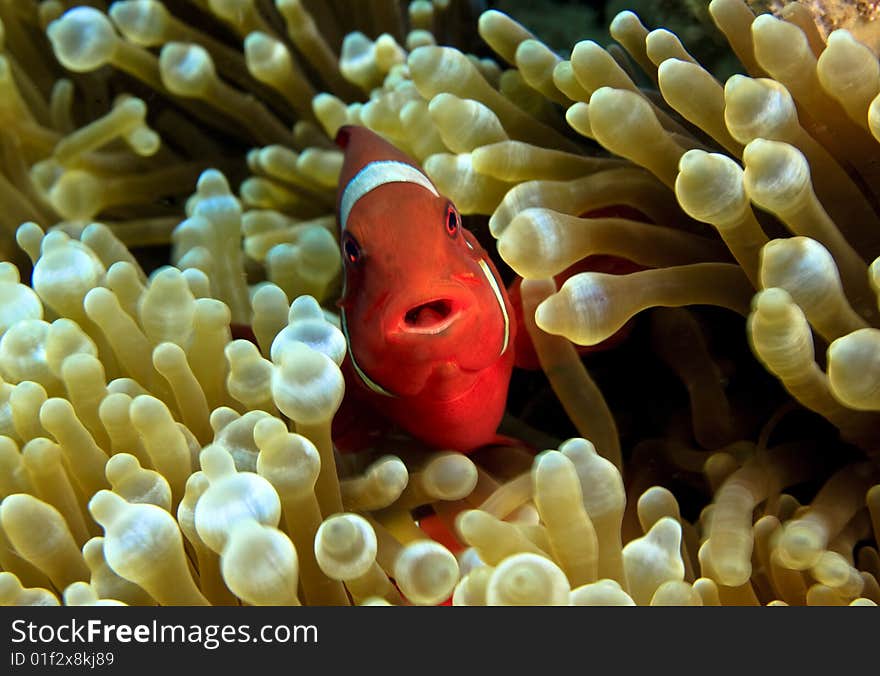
(169, 191)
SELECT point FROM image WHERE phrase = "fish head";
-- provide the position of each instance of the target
(423, 306)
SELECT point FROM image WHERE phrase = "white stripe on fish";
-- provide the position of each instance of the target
(374, 175)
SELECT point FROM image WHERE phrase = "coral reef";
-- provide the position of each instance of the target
(166, 187)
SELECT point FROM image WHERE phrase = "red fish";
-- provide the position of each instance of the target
(427, 319)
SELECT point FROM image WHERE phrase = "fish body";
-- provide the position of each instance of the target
(427, 319)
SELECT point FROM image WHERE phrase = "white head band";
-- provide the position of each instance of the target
(375, 174)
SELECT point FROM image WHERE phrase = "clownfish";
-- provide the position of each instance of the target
(429, 325)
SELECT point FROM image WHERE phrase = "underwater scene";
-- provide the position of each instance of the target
(439, 302)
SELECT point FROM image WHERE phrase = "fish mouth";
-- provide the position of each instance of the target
(430, 317)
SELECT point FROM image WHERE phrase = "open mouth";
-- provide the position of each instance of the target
(430, 318)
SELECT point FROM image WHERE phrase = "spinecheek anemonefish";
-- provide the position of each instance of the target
(429, 325)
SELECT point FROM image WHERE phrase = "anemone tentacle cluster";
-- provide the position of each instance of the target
(149, 457)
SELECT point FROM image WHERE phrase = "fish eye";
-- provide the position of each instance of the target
(453, 221)
(351, 250)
